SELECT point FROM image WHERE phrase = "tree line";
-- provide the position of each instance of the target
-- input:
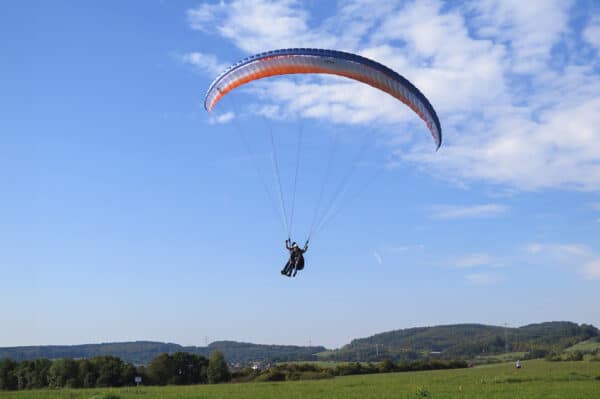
(109, 371)
(313, 371)
(180, 368)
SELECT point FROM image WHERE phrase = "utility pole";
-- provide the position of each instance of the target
(505, 338)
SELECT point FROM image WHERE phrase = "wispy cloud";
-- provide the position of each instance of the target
(378, 257)
(596, 207)
(559, 250)
(484, 278)
(404, 248)
(474, 260)
(515, 85)
(534, 248)
(221, 119)
(471, 211)
(259, 25)
(207, 63)
(576, 256)
(591, 270)
(204, 16)
(527, 37)
(592, 32)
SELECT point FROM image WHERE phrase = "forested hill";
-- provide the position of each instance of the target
(451, 341)
(243, 352)
(142, 352)
(139, 352)
(465, 341)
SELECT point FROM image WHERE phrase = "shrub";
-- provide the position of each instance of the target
(422, 393)
(387, 366)
(553, 357)
(271, 375)
(245, 375)
(536, 354)
(576, 356)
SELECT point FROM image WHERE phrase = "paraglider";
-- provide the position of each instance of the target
(296, 261)
(320, 61)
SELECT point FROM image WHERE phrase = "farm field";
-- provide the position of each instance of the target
(500, 358)
(585, 346)
(537, 379)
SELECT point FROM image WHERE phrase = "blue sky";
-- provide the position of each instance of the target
(128, 212)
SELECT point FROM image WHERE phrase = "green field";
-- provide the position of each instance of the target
(537, 379)
(500, 358)
(586, 346)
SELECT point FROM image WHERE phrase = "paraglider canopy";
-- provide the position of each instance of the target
(306, 60)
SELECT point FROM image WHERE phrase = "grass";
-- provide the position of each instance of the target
(585, 346)
(499, 358)
(326, 364)
(537, 379)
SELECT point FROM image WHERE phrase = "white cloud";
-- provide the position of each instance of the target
(205, 15)
(561, 150)
(514, 112)
(484, 278)
(474, 260)
(534, 248)
(221, 119)
(378, 257)
(404, 248)
(401, 248)
(337, 99)
(573, 249)
(576, 256)
(207, 63)
(259, 25)
(472, 211)
(559, 250)
(592, 32)
(454, 70)
(528, 29)
(591, 270)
